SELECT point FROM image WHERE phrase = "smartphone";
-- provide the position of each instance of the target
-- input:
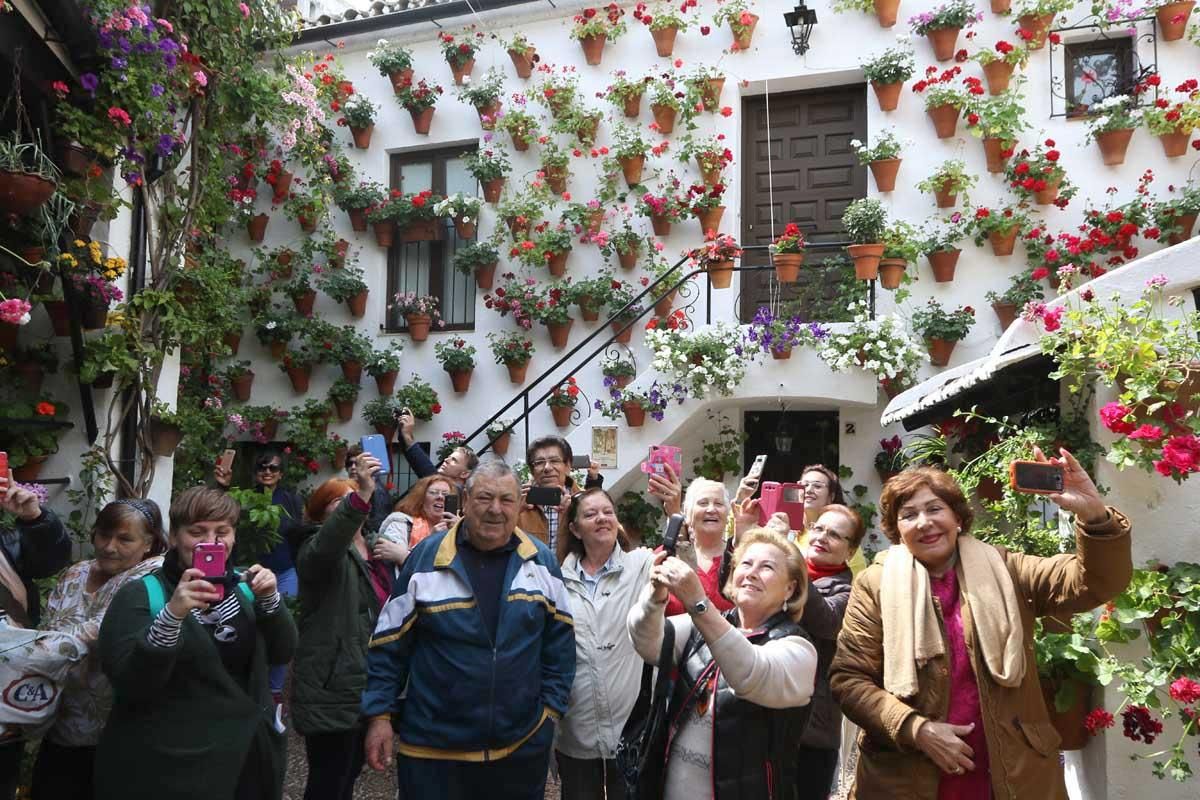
(401, 412)
(226, 460)
(661, 454)
(768, 500)
(375, 445)
(792, 503)
(756, 468)
(3, 469)
(209, 558)
(671, 537)
(1035, 477)
(544, 496)
(450, 503)
(581, 462)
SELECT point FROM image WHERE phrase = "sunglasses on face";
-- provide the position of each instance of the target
(268, 468)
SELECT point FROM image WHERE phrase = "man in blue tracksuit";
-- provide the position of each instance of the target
(478, 637)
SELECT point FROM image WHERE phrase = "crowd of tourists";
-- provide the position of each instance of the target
(476, 642)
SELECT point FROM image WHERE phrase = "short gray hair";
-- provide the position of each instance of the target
(494, 469)
(697, 486)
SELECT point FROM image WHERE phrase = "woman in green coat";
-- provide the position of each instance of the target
(193, 717)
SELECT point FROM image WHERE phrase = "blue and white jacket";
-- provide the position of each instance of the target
(466, 698)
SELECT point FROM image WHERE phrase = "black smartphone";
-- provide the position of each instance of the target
(544, 496)
(1035, 477)
(581, 462)
(450, 503)
(674, 524)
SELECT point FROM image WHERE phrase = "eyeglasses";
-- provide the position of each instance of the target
(269, 468)
(818, 485)
(820, 531)
(542, 463)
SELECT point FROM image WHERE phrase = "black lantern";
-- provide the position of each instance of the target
(801, 20)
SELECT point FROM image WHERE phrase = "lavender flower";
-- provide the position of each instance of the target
(89, 82)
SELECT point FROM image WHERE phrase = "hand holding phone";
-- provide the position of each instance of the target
(225, 462)
(209, 558)
(5, 477)
(544, 496)
(377, 446)
(756, 468)
(1035, 477)
(671, 536)
(581, 461)
(450, 504)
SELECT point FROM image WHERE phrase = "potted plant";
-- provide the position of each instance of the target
(418, 397)
(499, 435)
(865, 220)
(463, 209)
(635, 405)
(626, 244)
(106, 358)
(420, 312)
(384, 366)
(165, 430)
(1113, 125)
(881, 346)
(523, 54)
(940, 246)
(626, 93)
(274, 328)
(942, 329)
(716, 258)
(478, 259)
(721, 455)
(787, 253)
(944, 99)
(664, 104)
(343, 394)
(346, 286)
(521, 126)
(381, 414)
(1000, 62)
(707, 81)
(1022, 290)
(241, 380)
(1036, 16)
(1038, 175)
(297, 363)
(891, 459)
(417, 217)
(883, 158)
(485, 96)
(562, 401)
(27, 176)
(947, 182)
(1173, 119)
(349, 349)
(623, 311)
(999, 226)
(419, 100)
(301, 291)
(1067, 665)
(489, 167)
(1176, 216)
(996, 120)
(515, 296)
(706, 205)
(97, 296)
(888, 71)
(665, 22)
(459, 52)
(664, 207)
(630, 150)
(356, 200)
(776, 334)
(514, 350)
(943, 24)
(555, 165)
(358, 114)
(558, 91)
(617, 371)
(553, 309)
(550, 248)
(392, 61)
(640, 519)
(458, 360)
(711, 154)
(901, 246)
(593, 27)
(593, 294)
(521, 210)
(736, 14)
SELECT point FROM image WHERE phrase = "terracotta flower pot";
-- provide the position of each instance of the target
(387, 431)
(631, 168)
(633, 105)
(242, 386)
(422, 119)
(283, 183)
(944, 42)
(256, 228)
(1070, 723)
(304, 303)
(711, 177)
(945, 119)
(560, 333)
(385, 232)
(399, 79)
(299, 376)
(557, 264)
(501, 442)
(519, 227)
(781, 353)
(1003, 242)
(885, 171)
(998, 73)
(492, 190)
(519, 142)
(74, 159)
(1044, 197)
(940, 351)
(661, 224)
(352, 371)
(891, 271)
(422, 230)
(1185, 223)
(943, 263)
(84, 218)
(21, 193)
(487, 115)
(720, 274)
(1039, 26)
(888, 94)
(337, 461)
(418, 326)
(710, 218)
(1173, 19)
(993, 151)
(586, 133)
(461, 72)
(277, 349)
(1001, 6)
(465, 230)
(635, 415)
(589, 310)
(562, 415)
(710, 93)
(270, 428)
(358, 219)
(516, 372)
(338, 259)
(946, 197)
(629, 258)
(664, 41)
(556, 177)
(593, 48)
(787, 267)
(362, 136)
(622, 337)
(386, 383)
(1175, 144)
(358, 304)
(30, 470)
(522, 62)
(663, 305)
(1006, 312)
(742, 40)
(460, 379)
(885, 12)
(485, 275)
(60, 319)
(866, 260)
(95, 314)
(664, 117)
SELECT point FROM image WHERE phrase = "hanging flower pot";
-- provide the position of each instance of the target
(888, 94)
(945, 119)
(891, 270)
(711, 177)
(104, 380)
(519, 142)
(386, 383)
(781, 353)
(556, 177)
(720, 274)
(358, 304)
(663, 305)
(944, 42)
(492, 189)
(352, 371)
(945, 196)
(891, 387)
(464, 229)
(362, 136)
(60, 320)
(885, 171)
(84, 218)
(625, 336)
(557, 263)
(460, 379)
(418, 326)
(519, 226)
(358, 219)
(270, 428)
(385, 232)
(631, 168)
(30, 470)
(1039, 26)
(232, 340)
(710, 218)
(516, 372)
(1173, 19)
(943, 263)
(282, 185)
(1070, 723)
(593, 48)
(939, 351)
(562, 415)
(664, 41)
(421, 119)
(661, 224)
(1003, 241)
(338, 259)
(742, 40)
(635, 415)
(422, 230)
(633, 105)
(487, 115)
(522, 62)
(95, 314)
(628, 258)
(664, 117)
(501, 442)
(277, 349)
(1006, 312)
(589, 310)
(787, 266)
(1001, 6)
(485, 275)
(299, 376)
(710, 93)
(1185, 223)
(866, 260)
(22, 193)
(242, 386)
(74, 158)
(345, 413)
(586, 132)
(560, 333)
(308, 222)
(304, 302)
(387, 431)
(1044, 197)
(885, 12)
(993, 151)
(998, 73)
(1175, 144)
(461, 72)
(256, 227)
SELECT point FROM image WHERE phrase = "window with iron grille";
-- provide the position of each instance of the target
(1097, 70)
(428, 267)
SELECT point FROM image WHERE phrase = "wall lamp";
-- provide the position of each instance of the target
(801, 20)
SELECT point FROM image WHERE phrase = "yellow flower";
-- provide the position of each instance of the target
(94, 251)
(79, 243)
(68, 260)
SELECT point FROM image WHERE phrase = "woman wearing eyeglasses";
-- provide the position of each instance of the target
(832, 539)
(822, 488)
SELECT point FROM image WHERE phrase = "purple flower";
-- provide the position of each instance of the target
(166, 143)
(156, 90)
(124, 45)
(119, 63)
(169, 60)
(89, 82)
(166, 46)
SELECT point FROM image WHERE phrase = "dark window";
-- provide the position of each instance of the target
(1096, 70)
(427, 267)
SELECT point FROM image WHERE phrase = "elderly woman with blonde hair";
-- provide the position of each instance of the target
(706, 513)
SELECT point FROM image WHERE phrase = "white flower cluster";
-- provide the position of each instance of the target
(721, 368)
(882, 346)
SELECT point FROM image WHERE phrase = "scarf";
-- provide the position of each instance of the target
(911, 636)
(816, 572)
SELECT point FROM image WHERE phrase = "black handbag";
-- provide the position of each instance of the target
(641, 753)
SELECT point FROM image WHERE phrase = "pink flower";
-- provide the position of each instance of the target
(1052, 318)
(1185, 690)
(15, 311)
(245, 9)
(119, 115)
(200, 78)
(1183, 453)
(1147, 431)
(1113, 416)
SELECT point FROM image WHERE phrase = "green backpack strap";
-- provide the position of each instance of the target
(244, 588)
(154, 594)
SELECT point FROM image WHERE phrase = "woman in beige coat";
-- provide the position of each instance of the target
(935, 660)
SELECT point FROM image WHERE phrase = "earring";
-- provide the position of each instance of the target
(958, 529)
(785, 606)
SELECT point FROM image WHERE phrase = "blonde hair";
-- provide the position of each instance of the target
(793, 558)
(694, 489)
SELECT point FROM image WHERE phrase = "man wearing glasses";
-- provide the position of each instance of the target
(549, 460)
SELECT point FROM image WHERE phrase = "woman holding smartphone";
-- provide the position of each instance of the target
(187, 656)
(421, 512)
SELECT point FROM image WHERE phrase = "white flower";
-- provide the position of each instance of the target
(382, 43)
(855, 143)
(271, 325)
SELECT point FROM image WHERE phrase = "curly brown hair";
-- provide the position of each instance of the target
(900, 488)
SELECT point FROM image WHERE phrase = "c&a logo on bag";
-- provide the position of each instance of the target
(30, 693)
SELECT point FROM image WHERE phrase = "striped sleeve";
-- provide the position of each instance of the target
(165, 629)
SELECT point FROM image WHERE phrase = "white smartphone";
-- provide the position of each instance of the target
(756, 468)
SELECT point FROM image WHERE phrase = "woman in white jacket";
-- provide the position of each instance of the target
(603, 581)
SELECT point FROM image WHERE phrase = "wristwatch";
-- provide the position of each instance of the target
(699, 607)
